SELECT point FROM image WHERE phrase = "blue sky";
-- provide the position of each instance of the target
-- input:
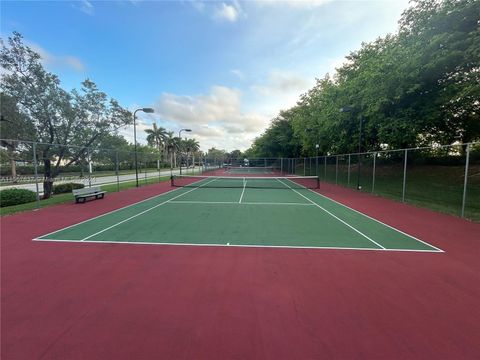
(224, 69)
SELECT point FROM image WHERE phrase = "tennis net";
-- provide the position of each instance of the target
(288, 182)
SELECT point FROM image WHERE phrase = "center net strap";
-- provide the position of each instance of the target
(270, 182)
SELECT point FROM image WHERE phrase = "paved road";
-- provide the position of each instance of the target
(101, 180)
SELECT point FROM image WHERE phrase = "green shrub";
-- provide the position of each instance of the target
(67, 187)
(11, 197)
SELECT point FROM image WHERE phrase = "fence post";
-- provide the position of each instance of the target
(304, 166)
(145, 167)
(116, 170)
(336, 170)
(404, 174)
(160, 167)
(35, 165)
(348, 172)
(316, 165)
(373, 174)
(465, 181)
(89, 159)
(325, 169)
(281, 166)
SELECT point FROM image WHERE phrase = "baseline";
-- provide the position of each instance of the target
(233, 245)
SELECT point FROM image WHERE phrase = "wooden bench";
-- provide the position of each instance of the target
(91, 192)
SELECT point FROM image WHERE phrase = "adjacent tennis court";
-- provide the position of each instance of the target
(242, 211)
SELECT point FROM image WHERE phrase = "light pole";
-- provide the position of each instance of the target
(180, 137)
(359, 163)
(145, 110)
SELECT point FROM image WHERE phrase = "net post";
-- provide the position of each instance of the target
(281, 166)
(172, 183)
(404, 174)
(318, 182)
(35, 165)
(465, 181)
(304, 166)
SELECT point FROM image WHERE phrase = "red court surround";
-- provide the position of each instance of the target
(120, 301)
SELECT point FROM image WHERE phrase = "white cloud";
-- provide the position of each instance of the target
(216, 119)
(227, 12)
(56, 61)
(282, 83)
(84, 6)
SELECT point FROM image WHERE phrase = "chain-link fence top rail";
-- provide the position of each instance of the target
(445, 178)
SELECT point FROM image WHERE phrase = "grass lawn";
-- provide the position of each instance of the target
(68, 197)
(436, 187)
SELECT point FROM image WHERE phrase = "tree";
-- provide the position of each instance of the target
(67, 123)
(417, 87)
(172, 144)
(112, 148)
(13, 126)
(190, 146)
(235, 154)
(156, 137)
(215, 156)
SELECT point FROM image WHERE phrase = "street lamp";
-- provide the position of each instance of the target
(180, 137)
(351, 109)
(145, 110)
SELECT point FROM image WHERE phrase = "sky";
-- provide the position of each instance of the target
(221, 68)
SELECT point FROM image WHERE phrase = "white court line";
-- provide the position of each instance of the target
(243, 191)
(232, 245)
(143, 212)
(336, 217)
(378, 221)
(237, 203)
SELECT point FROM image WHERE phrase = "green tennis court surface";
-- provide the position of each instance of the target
(264, 212)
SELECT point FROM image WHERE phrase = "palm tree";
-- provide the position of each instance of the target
(156, 137)
(191, 146)
(172, 144)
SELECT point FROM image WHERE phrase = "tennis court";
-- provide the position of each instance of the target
(242, 211)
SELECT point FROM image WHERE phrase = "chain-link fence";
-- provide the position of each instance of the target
(443, 178)
(51, 169)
